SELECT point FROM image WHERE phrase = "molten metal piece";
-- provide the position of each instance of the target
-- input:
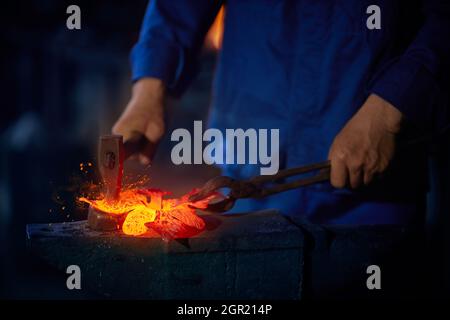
(136, 210)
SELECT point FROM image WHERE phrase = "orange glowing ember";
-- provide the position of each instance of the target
(146, 208)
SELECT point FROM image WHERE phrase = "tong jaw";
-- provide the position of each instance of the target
(238, 190)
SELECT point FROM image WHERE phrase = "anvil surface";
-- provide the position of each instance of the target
(234, 260)
(260, 255)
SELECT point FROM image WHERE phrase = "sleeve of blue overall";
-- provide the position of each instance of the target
(171, 36)
(412, 81)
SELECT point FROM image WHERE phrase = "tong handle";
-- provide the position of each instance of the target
(322, 176)
(253, 188)
(282, 174)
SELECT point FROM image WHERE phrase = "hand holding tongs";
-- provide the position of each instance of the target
(257, 187)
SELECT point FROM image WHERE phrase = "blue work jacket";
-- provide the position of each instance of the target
(305, 67)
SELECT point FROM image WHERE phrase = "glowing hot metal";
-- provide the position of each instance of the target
(135, 210)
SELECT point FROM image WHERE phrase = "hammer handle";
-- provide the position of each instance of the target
(134, 145)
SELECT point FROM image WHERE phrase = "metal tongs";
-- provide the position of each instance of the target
(259, 186)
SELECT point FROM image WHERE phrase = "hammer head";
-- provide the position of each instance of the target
(110, 163)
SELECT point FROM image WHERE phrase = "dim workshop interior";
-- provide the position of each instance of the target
(63, 91)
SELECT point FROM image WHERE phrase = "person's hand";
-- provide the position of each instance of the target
(366, 145)
(144, 116)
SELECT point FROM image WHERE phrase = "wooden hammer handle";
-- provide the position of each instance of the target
(134, 145)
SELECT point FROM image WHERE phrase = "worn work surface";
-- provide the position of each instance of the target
(258, 256)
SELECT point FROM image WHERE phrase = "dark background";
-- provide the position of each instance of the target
(61, 89)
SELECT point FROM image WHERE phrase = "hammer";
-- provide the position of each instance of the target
(112, 152)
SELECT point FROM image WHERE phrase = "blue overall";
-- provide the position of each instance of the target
(305, 67)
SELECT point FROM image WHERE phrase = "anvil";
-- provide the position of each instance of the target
(259, 255)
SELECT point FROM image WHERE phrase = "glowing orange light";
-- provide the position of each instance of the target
(214, 36)
(146, 208)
